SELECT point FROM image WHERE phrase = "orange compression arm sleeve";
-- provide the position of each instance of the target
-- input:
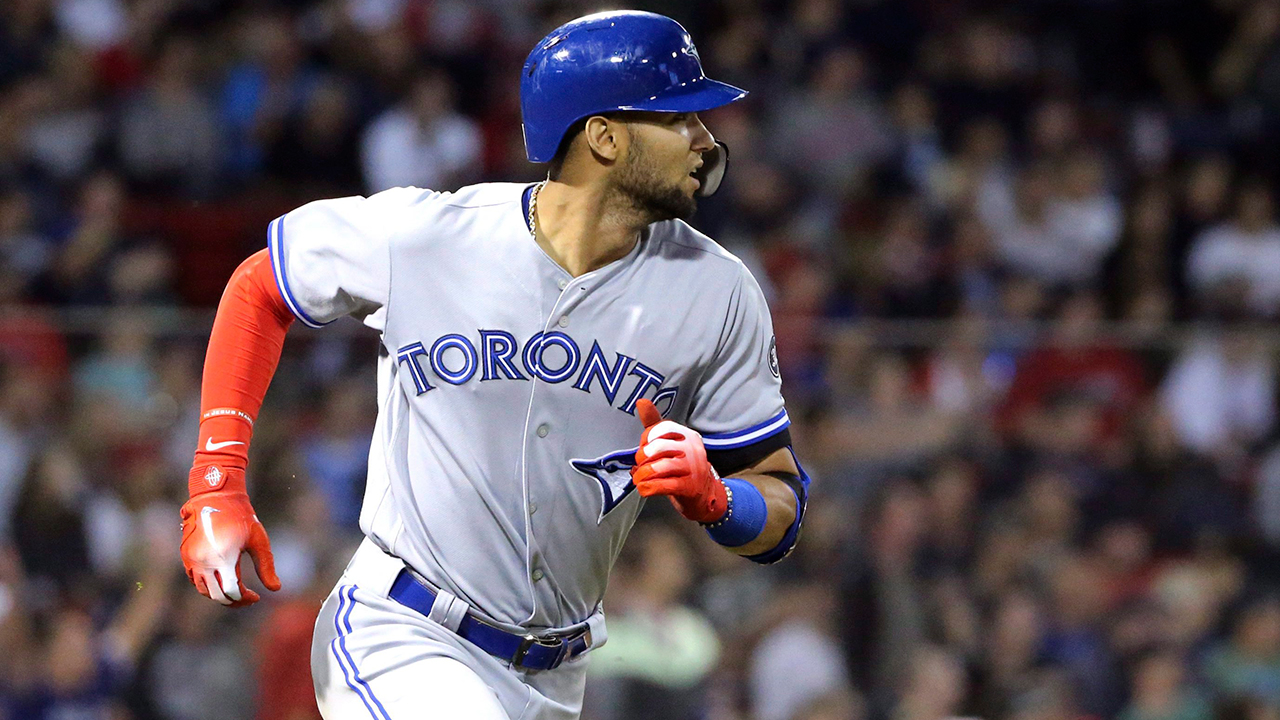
(244, 350)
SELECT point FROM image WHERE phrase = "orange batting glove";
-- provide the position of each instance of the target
(218, 525)
(672, 461)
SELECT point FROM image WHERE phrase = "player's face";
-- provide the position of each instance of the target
(657, 173)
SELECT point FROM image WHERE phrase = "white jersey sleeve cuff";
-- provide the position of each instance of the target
(275, 248)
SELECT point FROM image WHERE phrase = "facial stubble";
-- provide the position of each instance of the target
(640, 184)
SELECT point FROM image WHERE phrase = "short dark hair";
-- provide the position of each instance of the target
(557, 162)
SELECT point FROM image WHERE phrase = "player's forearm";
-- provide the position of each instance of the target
(247, 338)
(244, 350)
(780, 500)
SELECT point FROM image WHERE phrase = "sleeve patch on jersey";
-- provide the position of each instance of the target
(773, 357)
(275, 248)
(747, 436)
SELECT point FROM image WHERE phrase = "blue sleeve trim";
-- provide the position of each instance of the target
(748, 436)
(788, 541)
(275, 248)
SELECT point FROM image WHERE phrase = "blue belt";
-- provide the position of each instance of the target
(529, 652)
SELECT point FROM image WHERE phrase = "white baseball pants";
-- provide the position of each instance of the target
(374, 659)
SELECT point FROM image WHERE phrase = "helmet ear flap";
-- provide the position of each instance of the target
(714, 163)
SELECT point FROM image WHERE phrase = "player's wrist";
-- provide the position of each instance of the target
(222, 451)
(210, 477)
(745, 515)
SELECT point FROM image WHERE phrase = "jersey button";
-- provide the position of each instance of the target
(533, 508)
(537, 575)
(543, 429)
(562, 283)
(564, 321)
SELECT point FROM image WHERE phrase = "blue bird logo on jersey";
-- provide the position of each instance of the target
(613, 472)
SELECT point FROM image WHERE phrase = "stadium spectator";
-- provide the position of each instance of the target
(48, 522)
(25, 252)
(1161, 691)
(1058, 223)
(77, 273)
(661, 652)
(119, 373)
(318, 148)
(1074, 378)
(1145, 264)
(266, 86)
(1010, 655)
(424, 141)
(882, 602)
(799, 661)
(69, 130)
(1220, 393)
(1247, 664)
(889, 427)
(199, 672)
(934, 687)
(834, 129)
(963, 376)
(169, 140)
(336, 456)
(1235, 266)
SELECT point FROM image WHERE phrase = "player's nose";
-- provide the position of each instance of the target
(702, 139)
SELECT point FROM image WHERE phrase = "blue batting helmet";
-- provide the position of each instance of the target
(621, 60)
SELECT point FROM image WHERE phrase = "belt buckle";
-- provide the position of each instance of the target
(547, 642)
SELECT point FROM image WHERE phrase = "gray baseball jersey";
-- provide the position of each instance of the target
(500, 461)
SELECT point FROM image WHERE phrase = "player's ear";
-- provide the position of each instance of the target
(605, 137)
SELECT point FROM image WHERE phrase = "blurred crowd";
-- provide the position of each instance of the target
(1023, 258)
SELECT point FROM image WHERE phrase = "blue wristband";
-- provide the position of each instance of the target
(745, 518)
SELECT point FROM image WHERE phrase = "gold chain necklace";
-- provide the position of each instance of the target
(533, 206)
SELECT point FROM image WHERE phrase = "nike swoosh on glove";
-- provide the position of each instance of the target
(216, 528)
(672, 461)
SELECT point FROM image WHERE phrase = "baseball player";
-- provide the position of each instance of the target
(534, 338)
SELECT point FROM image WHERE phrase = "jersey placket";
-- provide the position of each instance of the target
(545, 440)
